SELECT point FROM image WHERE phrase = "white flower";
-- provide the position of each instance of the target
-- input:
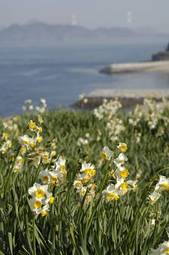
(121, 172)
(163, 184)
(120, 160)
(87, 168)
(82, 141)
(153, 197)
(121, 186)
(44, 176)
(163, 249)
(27, 141)
(60, 168)
(111, 193)
(106, 153)
(36, 205)
(38, 191)
(132, 184)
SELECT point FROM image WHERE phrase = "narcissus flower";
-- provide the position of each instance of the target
(44, 176)
(33, 127)
(84, 183)
(60, 169)
(120, 160)
(18, 164)
(38, 191)
(40, 199)
(163, 249)
(122, 147)
(6, 146)
(163, 184)
(122, 172)
(106, 153)
(27, 141)
(111, 193)
(77, 184)
(88, 169)
(153, 197)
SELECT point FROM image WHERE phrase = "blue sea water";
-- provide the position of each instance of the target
(60, 74)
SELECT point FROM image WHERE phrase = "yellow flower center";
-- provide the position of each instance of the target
(32, 144)
(51, 200)
(39, 139)
(122, 147)
(5, 136)
(103, 155)
(40, 193)
(37, 204)
(124, 186)
(32, 125)
(54, 180)
(44, 213)
(165, 186)
(112, 196)
(63, 170)
(166, 251)
(124, 173)
(91, 172)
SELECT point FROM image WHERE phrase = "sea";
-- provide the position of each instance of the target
(61, 73)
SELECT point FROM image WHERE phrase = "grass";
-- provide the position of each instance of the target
(122, 227)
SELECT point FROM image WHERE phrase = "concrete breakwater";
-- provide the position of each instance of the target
(128, 98)
(157, 66)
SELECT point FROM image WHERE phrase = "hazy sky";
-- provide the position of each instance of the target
(90, 13)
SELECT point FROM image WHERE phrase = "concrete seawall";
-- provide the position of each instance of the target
(128, 98)
(157, 66)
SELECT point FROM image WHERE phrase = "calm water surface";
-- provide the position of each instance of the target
(60, 74)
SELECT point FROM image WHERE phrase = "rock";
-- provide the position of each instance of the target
(161, 56)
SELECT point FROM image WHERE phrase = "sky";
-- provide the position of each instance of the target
(89, 13)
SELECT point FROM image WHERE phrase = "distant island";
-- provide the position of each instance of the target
(42, 34)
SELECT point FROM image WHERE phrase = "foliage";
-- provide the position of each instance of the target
(75, 223)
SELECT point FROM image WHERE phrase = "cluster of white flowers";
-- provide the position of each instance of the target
(42, 106)
(29, 107)
(28, 142)
(40, 199)
(11, 125)
(114, 128)
(84, 182)
(122, 186)
(56, 175)
(108, 109)
(6, 146)
(151, 111)
(162, 185)
(84, 140)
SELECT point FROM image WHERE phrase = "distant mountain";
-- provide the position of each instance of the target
(39, 33)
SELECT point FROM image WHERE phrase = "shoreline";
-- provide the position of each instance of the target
(128, 98)
(150, 66)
